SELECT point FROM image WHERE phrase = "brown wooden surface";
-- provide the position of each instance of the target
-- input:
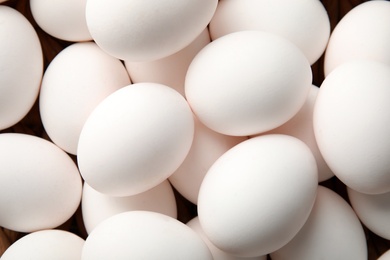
(31, 124)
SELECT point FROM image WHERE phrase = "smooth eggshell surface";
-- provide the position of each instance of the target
(332, 231)
(147, 30)
(363, 33)
(40, 186)
(260, 191)
(301, 127)
(373, 210)
(74, 83)
(247, 82)
(63, 19)
(144, 235)
(352, 126)
(97, 206)
(46, 245)
(135, 139)
(206, 148)
(303, 22)
(385, 256)
(217, 253)
(171, 70)
(21, 66)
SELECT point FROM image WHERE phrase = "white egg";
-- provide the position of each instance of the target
(301, 127)
(247, 82)
(217, 253)
(171, 70)
(74, 83)
(332, 231)
(257, 196)
(351, 125)
(46, 245)
(373, 210)
(62, 19)
(40, 186)
(21, 66)
(144, 235)
(147, 30)
(363, 33)
(385, 256)
(303, 22)
(97, 206)
(135, 139)
(206, 148)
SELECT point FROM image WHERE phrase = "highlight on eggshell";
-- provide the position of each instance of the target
(192, 129)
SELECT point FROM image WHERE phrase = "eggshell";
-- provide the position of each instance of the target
(21, 66)
(97, 206)
(303, 22)
(257, 196)
(135, 139)
(301, 127)
(363, 33)
(206, 148)
(40, 186)
(147, 30)
(171, 70)
(62, 19)
(144, 235)
(74, 83)
(332, 231)
(385, 256)
(373, 211)
(46, 245)
(352, 126)
(217, 253)
(247, 82)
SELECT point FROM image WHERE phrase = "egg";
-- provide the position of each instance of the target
(247, 82)
(301, 127)
(75, 82)
(135, 139)
(303, 22)
(171, 70)
(385, 256)
(97, 206)
(373, 211)
(40, 185)
(21, 66)
(206, 148)
(351, 125)
(363, 33)
(145, 30)
(46, 245)
(217, 253)
(144, 235)
(62, 19)
(257, 196)
(332, 231)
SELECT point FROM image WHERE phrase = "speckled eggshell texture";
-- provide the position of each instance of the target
(258, 195)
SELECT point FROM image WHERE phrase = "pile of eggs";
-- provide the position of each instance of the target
(207, 104)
